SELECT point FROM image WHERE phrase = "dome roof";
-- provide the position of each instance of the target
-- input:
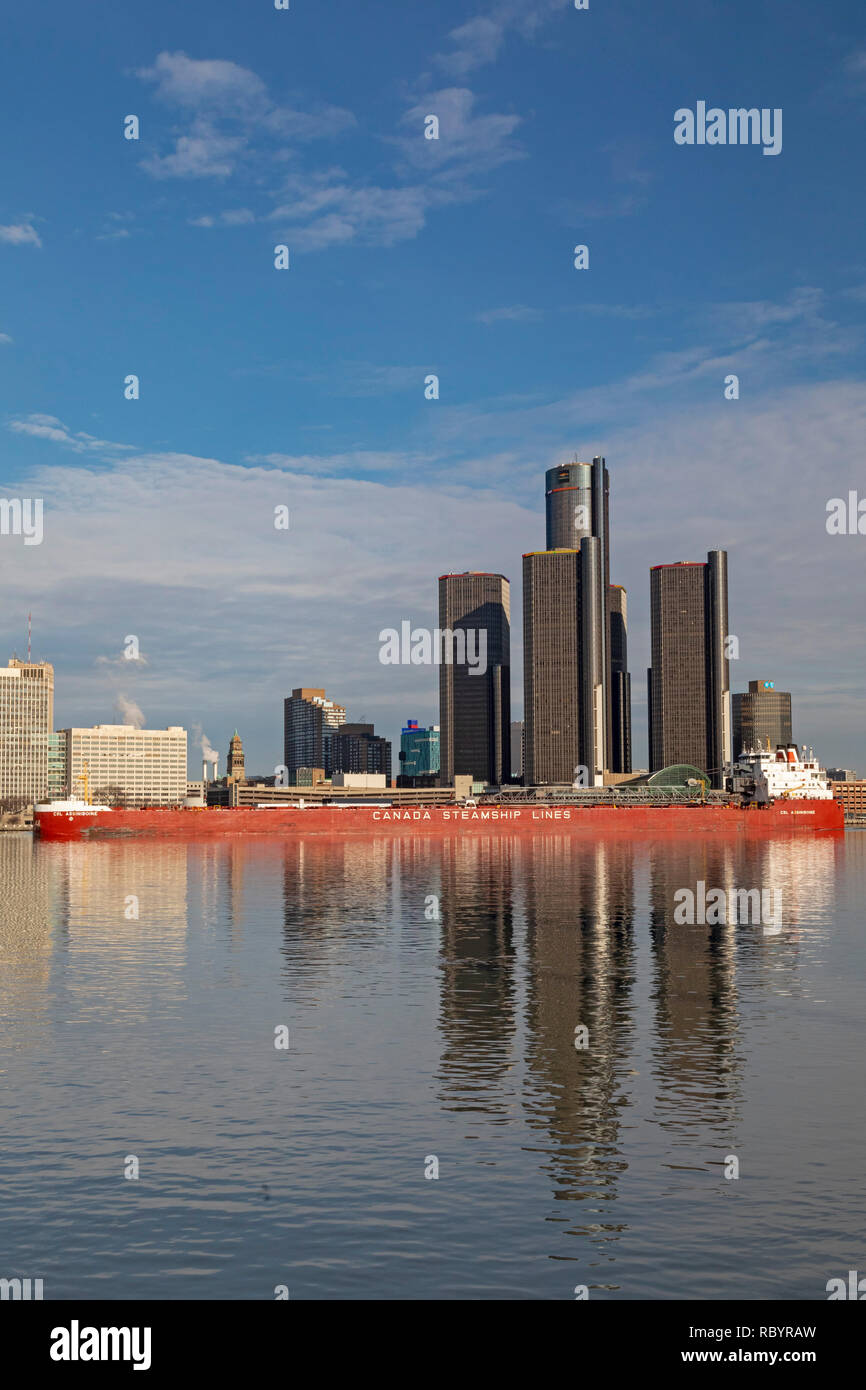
(677, 775)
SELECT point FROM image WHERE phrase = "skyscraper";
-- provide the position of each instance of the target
(309, 719)
(551, 666)
(620, 682)
(568, 636)
(688, 683)
(26, 721)
(475, 695)
(762, 713)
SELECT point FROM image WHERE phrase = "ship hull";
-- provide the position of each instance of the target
(447, 821)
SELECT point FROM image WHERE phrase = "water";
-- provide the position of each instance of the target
(412, 1039)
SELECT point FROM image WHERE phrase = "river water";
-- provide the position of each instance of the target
(431, 993)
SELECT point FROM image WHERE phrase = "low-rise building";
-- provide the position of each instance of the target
(419, 750)
(358, 779)
(851, 796)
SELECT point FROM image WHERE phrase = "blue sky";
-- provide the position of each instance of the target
(306, 387)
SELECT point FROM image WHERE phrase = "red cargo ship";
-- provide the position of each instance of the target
(771, 793)
(65, 822)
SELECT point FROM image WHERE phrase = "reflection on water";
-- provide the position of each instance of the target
(434, 991)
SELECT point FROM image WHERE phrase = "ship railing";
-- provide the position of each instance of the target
(621, 796)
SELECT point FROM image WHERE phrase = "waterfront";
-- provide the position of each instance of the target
(412, 1037)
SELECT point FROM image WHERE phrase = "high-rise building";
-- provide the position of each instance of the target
(578, 518)
(551, 665)
(569, 636)
(235, 760)
(761, 713)
(517, 744)
(26, 723)
(620, 682)
(126, 766)
(475, 694)
(309, 719)
(357, 748)
(419, 750)
(688, 684)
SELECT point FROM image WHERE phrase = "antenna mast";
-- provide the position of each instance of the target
(29, 616)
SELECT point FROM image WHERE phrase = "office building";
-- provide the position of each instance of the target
(578, 518)
(357, 748)
(620, 682)
(688, 689)
(551, 664)
(26, 723)
(760, 714)
(475, 677)
(309, 719)
(576, 714)
(125, 766)
(419, 750)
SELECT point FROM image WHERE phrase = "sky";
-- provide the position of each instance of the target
(304, 387)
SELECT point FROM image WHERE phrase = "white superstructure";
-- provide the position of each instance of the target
(71, 806)
(764, 775)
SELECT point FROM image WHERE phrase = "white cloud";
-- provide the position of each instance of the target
(235, 129)
(325, 210)
(204, 154)
(468, 143)
(4, 338)
(328, 208)
(354, 461)
(232, 217)
(480, 40)
(232, 115)
(206, 84)
(20, 234)
(49, 427)
(476, 43)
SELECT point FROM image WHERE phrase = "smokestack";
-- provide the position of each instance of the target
(216, 768)
(204, 770)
